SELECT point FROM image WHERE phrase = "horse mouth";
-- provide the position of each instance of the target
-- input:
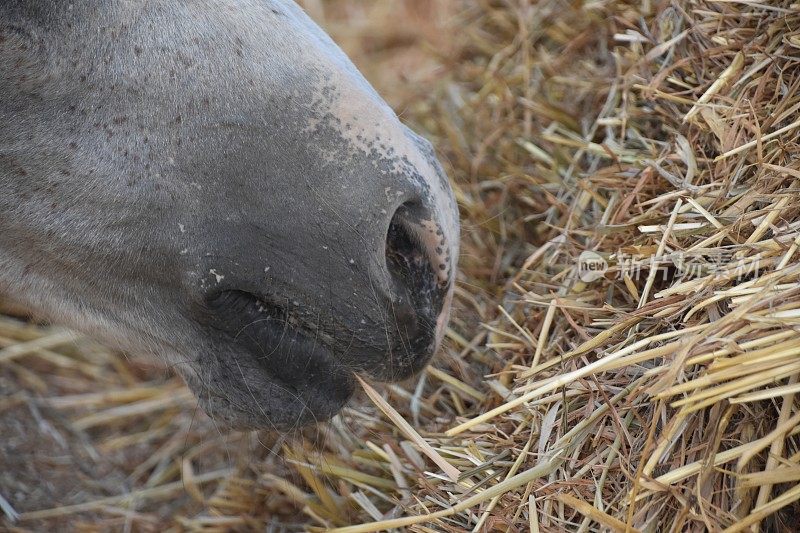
(285, 354)
(304, 370)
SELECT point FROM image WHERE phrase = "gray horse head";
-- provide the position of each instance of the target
(214, 182)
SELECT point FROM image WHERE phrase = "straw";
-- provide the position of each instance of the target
(659, 395)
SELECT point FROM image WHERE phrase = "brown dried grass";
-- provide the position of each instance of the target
(660, 397)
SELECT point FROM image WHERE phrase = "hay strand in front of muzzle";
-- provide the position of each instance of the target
(410, 433)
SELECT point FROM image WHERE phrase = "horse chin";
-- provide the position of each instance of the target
(238, 412)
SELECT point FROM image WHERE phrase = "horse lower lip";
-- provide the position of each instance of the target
(295, 359)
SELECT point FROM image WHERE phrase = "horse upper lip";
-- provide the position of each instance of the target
(278, 337)
(232, 304)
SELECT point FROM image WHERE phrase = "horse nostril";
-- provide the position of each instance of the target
(416, 249)
(418, 262)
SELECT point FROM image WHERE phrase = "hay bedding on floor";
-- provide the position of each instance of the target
(657, 394)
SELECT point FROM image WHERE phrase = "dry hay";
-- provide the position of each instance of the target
(659, 397)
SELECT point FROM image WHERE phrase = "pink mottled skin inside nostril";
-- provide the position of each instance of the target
(443, 319)
(438, 250)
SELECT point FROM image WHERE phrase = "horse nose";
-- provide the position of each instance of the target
(418, 254)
